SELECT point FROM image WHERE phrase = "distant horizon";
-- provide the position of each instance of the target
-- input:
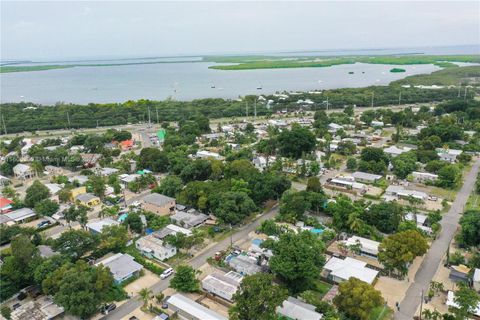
(249, 53)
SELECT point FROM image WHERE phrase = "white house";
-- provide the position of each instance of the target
(395, 151)
(401, 192)
(368, 247)
(204, 154)
(23, 171)
(153, 247)
(97, 226)
(189, 309)
(476, 279)
(423, 176)
(366, 177)
(333, 127)
(293, 308)
(448, 155)
(339, 270)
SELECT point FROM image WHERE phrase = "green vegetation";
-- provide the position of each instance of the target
(445, 77)
(275, 62)
(8, 69)
(397, 70)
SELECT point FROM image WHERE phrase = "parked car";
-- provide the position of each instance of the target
(109, 308)
(165, 302)
(16, 306)
(167, 273)
(43, 224)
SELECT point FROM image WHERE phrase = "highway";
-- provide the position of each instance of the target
(195, 262)
(434, 257)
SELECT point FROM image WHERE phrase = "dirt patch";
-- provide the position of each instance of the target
(143, 282)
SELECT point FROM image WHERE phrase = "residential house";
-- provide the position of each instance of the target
(87, 200)
(340, 270)
(18, 216)
(476, 280)
(153, 246)
(90, 159)
(105, 172)
(448, 155)
(368, 248)
(23, 171)
(54, 188)
(452, 303)
(4, 181)
(127, 178)
(296, 309)
(204, 154)
(188, 219)
(52, 170)
(74, 193)
(375, 123)
(459, 273)
(127, 145)
(401, 192)
(333, 127)
(222, 285)
(244, 265)
(189, 309)
(420, 220)
(159, 204)
(423, 176)
(366, 177)
(5, 205)
(122, 267)
(80, 179)
(255, 246)
(172, 229)
(97, 226)
(42, 308)
(395, 151)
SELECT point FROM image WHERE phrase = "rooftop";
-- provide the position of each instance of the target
(121, 265)
(157, 199)
(293, 308)
(349, 267)
(189, 306)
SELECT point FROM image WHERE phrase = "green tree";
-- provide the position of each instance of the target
(36, 193)
(351, 164)
(134, 222)
(467, 300)
(295, 142)
(98, 185)
(257, 298)
(46, 207)
(113, 238)
(145, 296)
(169, 186)
(75, 243)
(357, 299)
(297, 259)
(6, 312)
(153, 159)
(232, 207)
(386, 216)
(470, 228)
(185, 279)
(397, 251)
(449, 176)
(314, 185)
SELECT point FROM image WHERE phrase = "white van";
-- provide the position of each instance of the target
(167, 273)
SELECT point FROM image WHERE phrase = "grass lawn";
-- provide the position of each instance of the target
(321, 287)
(473, 201)
(381, 313)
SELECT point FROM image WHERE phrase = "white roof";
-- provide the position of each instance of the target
(97, 226)
(53, 187)
(424, 174)
(349, 267)
(335, 126)
(20, 214)
(177, 229)
(189, 306)
(451, 303)
(421, 218)
(121, 265)
(396, 150)
(21, 168)
(368, 245)
(341, 181)
(476, 275)
(366, 176)
(293, 308)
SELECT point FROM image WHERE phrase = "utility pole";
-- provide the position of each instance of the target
(327, 103)
(156, 110)
(255, 111)
(149, 122)
(97, 124)
(373, 95)
(68, 119)
(399, 98)
(465, 94)
(4, 126)
(421, 305)
(246, 108)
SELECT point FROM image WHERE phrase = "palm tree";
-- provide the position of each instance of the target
(354, 222)
(145, 295)
(37, 167)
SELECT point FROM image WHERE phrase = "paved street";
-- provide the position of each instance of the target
(411, 302)
(195, 262)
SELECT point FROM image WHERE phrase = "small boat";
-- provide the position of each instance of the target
(212, 86)
(259, 87)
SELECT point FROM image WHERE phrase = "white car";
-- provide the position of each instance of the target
(167, 273)
(136, 204)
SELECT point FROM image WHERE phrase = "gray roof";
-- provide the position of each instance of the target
(193, 308)
(46, 251)
(20, 214)
(293, 308)
(366, 176)
(189, 219)
(85, 197)
(157, 199)
(121, 265)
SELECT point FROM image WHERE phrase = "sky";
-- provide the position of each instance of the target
(76, 29)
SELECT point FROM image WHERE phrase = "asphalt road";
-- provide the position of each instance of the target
(196, 262)
(434, 257)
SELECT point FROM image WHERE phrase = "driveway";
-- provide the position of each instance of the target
(411, 302)
(195, 262)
